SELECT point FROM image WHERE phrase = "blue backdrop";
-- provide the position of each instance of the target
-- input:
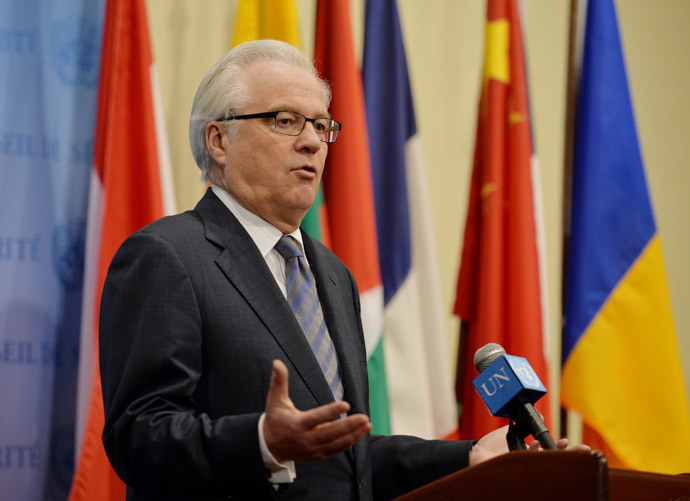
(49, 66)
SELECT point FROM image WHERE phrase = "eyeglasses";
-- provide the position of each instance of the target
(292, 123)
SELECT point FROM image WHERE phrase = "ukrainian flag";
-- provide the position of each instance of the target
(621, 366)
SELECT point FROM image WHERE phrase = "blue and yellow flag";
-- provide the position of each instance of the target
(621, 366)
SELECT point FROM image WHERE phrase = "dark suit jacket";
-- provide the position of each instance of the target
(191, 319)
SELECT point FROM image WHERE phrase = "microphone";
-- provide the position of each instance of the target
(509, 387)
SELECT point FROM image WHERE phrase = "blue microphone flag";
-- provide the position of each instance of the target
(506, 379)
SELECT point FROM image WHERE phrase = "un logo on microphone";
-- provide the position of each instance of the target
(504, 380)
(524, 371)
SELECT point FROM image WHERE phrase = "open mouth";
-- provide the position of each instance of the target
(308, 168)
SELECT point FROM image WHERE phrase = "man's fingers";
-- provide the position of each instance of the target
(333, 430)
(324, 414)
(341, 442)
(563, 444)
(278, 389)
(331, 438)
(280, 373)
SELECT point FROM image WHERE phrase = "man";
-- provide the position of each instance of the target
(197, 308)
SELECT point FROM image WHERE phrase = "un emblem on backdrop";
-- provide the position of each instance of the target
(75, 47)
(69, 246)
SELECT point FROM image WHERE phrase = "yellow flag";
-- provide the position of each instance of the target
(275, 19)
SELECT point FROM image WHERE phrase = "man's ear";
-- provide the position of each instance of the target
(214, 142)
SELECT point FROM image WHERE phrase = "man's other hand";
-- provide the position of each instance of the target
(494, 444)
(319, 433)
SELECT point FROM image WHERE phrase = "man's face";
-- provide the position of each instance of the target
(271, 174)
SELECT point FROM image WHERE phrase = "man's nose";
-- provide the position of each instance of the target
(310, 137)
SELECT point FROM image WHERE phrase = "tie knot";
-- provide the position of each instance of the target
(288, 248)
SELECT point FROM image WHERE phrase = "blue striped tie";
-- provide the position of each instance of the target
(304, 302)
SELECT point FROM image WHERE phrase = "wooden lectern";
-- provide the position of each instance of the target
(553, 475)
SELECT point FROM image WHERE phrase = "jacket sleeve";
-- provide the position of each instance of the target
(151, 363)
(402, 463)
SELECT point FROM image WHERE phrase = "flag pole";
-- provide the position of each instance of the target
(568, 161)
(460, 368)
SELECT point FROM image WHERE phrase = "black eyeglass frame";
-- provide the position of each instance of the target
(274, 115)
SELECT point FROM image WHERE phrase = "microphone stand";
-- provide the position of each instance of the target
(525, 420)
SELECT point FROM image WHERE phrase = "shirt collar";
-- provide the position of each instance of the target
(263, 233)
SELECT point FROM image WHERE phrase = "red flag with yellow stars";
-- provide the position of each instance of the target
(500, 289)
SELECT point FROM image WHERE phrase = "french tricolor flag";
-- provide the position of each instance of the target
(415, 341)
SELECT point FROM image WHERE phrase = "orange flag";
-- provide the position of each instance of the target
(130, 187)
(500, 287)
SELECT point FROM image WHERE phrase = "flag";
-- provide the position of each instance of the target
(49, 62)
(501, 283)
(621, 365)
(257, 19)
(348, 188)
(420, 394)
(130, 187)
(278, 19)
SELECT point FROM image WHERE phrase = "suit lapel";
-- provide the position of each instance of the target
(244, 266)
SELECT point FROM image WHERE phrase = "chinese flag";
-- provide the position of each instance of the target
(500, 284)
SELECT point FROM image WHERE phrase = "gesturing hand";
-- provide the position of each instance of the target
(291, 434)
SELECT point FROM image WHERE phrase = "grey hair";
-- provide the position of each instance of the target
(223, 91)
